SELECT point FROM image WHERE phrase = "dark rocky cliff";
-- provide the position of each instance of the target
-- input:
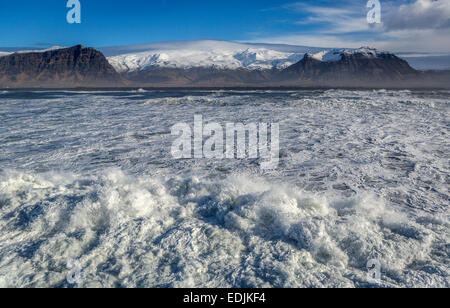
(352, 67)
(69, 67)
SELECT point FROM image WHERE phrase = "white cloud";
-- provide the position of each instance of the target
(419, 26)
(427, 41)
(335, 20)
(422, 14)
(325, 41)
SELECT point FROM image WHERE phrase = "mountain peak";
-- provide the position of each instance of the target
(335, 55)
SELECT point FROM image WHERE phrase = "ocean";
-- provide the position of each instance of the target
(91, 196)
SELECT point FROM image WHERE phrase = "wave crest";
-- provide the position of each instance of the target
(240, 231)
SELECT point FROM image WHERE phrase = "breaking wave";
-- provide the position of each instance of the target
(87, 177)
(238, 231)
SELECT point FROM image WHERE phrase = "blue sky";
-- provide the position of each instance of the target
(419, 25)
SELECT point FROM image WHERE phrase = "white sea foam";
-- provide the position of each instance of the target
(190, 232)
(89, 177)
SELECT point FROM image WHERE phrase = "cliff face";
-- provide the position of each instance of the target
(352, 67)
(70, 67)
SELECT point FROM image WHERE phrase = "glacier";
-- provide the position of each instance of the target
(206, 54)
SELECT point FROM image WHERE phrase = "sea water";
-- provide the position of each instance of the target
(88, 183)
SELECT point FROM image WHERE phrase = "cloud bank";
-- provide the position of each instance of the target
(420, 15)
(417, 25)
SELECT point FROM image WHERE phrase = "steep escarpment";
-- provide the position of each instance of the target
(67, 67)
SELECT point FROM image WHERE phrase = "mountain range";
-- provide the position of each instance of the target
(210, 64)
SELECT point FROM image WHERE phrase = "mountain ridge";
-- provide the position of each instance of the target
(364, 64)
(80, 66)
(206, 54)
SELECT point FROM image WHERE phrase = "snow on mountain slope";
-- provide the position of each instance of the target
(221, 55)
(336, 54)
(221, 59)
(327, 56)
(210, 54)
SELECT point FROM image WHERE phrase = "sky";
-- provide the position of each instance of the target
(406, 25)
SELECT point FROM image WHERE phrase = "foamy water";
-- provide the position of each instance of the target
(88, 176)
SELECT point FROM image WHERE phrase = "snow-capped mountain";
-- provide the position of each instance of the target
(210, 64)
(336, 55)
(351, 66)
(221, 59)
(205, 54)
(222, 55)
(232, 55)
